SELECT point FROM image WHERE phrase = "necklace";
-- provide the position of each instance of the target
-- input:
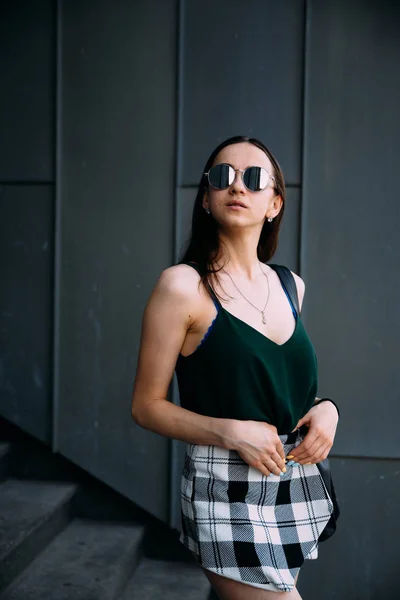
(247, 300)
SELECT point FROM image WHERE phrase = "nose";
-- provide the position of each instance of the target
(237, 183)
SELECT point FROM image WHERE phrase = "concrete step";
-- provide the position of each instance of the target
(31, 514)
(89, 560)
(5, 453)
(166, 580)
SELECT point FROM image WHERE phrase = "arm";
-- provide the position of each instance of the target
(301, 286)
(168, 315)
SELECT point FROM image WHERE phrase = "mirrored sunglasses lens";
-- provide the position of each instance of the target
(221, 176)
(256, 178)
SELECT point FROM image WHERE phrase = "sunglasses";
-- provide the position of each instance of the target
(223, 175)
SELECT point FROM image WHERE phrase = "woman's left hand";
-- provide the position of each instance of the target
(322, 421)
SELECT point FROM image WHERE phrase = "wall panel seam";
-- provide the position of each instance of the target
(57, 234)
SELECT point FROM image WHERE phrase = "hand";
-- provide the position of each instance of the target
(258, 443)
(322, 421)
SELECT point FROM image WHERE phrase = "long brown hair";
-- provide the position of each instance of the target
(203, 243)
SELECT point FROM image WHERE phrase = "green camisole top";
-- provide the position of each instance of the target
(237, 372)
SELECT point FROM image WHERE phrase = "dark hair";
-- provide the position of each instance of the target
(203, 244)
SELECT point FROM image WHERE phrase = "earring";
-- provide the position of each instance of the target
(270, 219)
(207, 211)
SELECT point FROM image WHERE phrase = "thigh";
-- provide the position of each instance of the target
(229, 589)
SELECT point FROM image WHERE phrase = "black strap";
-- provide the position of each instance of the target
(195, 266)
(288, 282)
(213, 295)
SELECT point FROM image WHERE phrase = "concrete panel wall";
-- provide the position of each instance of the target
(117, 180)
(349, 251)
(360, 562)
(27, 108)
(351, 215)
(26, 263)
(241, 75)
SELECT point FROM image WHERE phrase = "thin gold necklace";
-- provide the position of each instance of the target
(264, 320)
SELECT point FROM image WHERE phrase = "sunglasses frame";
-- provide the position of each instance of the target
(242, 171)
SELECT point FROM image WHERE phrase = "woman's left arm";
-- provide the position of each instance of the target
(322, 421)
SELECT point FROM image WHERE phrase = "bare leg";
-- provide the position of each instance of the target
(229, 589)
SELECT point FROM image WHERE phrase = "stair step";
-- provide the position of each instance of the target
(31, 514)
(166, 580)
(89, 560)
(5, 451)
(4, 448)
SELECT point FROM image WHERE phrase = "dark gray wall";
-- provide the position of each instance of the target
(349, 255)
(351, 216)
(319, 83)
(27, 108)
(241, 76)
(116, 233)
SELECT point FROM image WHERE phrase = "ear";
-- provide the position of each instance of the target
(205, 200)
(276, 206)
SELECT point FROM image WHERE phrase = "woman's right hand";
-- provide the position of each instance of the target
(258, 443)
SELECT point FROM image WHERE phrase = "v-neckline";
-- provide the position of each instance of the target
(259, 332)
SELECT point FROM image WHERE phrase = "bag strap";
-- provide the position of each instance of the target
(288, 284)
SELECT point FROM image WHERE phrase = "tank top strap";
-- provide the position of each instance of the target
(213, 295)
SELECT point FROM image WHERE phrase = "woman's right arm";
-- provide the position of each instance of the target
(169, 313)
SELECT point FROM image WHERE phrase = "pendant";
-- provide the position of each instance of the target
(263, 318)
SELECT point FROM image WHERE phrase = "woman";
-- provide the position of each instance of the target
(253, 501)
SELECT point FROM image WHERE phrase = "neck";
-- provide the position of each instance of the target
(238, 254)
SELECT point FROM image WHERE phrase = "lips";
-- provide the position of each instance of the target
(236, 203)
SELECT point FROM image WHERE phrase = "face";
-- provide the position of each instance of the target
(257, 206)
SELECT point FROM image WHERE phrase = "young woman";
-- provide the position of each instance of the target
(253, 501)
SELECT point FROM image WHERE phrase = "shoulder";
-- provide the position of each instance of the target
(301, 286)
(179, 282)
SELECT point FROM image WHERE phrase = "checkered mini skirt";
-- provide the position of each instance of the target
(250, 527)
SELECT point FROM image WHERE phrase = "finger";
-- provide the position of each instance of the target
(306, 448)
(307, 453)
(324, 454)
(315, 450)
(272, 465)
(278, 460)
(313, 456)
(280, 450)
(305, 444)
(264, 470)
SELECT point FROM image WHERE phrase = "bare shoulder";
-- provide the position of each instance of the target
(179, 283)
(300, 287)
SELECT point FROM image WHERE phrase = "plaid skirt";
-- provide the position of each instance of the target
(250, 527)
